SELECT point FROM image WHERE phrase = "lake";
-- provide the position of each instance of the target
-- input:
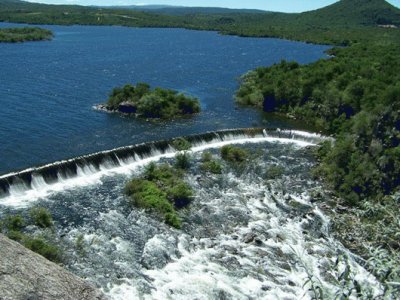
(48, 89)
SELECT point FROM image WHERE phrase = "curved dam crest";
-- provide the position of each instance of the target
(18, 188)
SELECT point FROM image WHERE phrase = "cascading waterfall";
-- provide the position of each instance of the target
(244, 236)
(20, 187)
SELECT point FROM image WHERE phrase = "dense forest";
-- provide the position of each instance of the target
(15, 35)
(155, 104)
(355, 96)
(336, 24)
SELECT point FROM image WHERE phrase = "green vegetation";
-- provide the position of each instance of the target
(274, 172)
(41, 217)
(25, 34)
(161, 189)
(233, 154)
(342, 23)
(14, 227)
(42, 247)
(13, 223)
(147, 103)
(208, 164)
(354, 95)
(182, 160)
(181, 144)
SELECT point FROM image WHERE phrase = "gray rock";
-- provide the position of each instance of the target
(27, 275)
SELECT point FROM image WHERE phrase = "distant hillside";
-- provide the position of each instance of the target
(342, 23)
(183, 10)
(351, 12)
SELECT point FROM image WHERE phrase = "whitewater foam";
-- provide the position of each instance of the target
(22, 194)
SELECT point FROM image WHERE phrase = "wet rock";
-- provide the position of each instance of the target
(299, 206)
(258, 241)
(248, 238)
(285, 266)
(230, 262)
(265, 288)
(394, 244)
(291, 283)
(231, 249)
(27, 275)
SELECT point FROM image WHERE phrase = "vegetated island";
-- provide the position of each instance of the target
(149, 103)
(24, 34)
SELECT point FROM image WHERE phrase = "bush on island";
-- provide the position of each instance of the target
(161, 189)
(153, 104)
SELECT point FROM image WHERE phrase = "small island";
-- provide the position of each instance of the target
(24, 34)
(144, 102)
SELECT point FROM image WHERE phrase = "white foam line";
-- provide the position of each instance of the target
(256, 140)
(26, 197)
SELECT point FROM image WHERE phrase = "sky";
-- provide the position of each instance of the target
(271, 5)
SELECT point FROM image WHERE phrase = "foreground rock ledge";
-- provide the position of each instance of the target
(27, 275)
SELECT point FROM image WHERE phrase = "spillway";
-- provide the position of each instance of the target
(26, 185)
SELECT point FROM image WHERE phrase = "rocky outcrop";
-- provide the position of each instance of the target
(127, 107)
(27, 275)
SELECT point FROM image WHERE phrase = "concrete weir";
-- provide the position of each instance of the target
(38, 178)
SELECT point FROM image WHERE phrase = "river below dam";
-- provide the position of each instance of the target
(249, 233)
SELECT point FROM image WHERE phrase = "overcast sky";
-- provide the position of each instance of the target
(272, 5)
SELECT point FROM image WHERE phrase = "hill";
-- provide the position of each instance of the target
(354, 12)
(342, 23)
(185, 10)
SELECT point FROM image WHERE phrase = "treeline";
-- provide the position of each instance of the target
(354, 95)
(340, 24)
(24, 34)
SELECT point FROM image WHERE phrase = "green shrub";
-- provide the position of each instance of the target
(14, 223)
(42, 247)
(212, 166)
(206, 156)
(274, 172)
(156, 103)
(181, 144)
(15, 235)
(161, 189)
(182, 160)
(173, 219)
(233, 154)
(147, 195)
(80, 244)
(162, 173)
(181, 194)
(41, 217)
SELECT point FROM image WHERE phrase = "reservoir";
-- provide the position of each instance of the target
(48, 89)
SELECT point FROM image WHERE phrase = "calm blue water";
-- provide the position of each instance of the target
(47, 89)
